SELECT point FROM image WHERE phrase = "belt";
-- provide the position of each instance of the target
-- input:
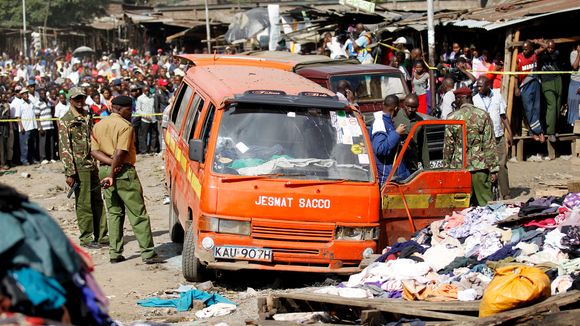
(122, 165)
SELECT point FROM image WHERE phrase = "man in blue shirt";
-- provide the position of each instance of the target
(385, 139)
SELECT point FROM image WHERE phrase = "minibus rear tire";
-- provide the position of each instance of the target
(175, 229)
(192, 268)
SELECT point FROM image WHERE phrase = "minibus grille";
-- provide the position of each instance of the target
(296, 251)
(299, 233)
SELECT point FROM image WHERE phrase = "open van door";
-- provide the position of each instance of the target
(434, 187)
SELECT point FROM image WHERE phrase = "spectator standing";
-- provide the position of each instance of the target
(149, 132)
(385, 139)
(448, 98)
(417, 153)
(46, 132)
(495, 79)
(529, 89)
(493, 103)
(482, 160)
(28, 129)
(5, 132)
(574, 87)
(75, 129)
(62, 107)
(420, 83)
(361, 45)
(113, 145)
(549, 60)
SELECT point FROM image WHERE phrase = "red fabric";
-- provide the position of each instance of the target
(526, 64)
(545, 223)
(422, 103)
(86, 258)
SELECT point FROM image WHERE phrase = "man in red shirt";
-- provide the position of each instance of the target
(529, 88)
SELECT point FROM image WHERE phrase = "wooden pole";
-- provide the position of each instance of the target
(510, 92)
(507, 61)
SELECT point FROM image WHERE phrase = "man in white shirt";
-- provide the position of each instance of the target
(149, 128)
(62, 107)
(446, 105)
(28, 129)
(494, 104)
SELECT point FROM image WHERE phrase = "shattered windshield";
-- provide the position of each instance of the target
(371, 87)
(291, 142)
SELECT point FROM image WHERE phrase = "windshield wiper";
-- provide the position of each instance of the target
(251, 177)
(303, 183)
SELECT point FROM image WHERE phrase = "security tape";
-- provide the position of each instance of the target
(495, 72)
(94, 118)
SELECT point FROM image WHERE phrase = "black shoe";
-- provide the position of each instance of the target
(91, 245)
(154, 260)
(117, 259)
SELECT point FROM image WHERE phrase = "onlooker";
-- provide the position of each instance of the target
(62, 107)
(529, 89)
(420, 83)
(447, 98)
(5, 131)
(149, 132)
(574, 88)
(495, 79)
(361, 44)
(28, 129)
(417, 153)
(482, 160)
(549, 60)
(46, 132)
(493, 103)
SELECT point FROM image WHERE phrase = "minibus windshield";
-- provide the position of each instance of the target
(291, 142)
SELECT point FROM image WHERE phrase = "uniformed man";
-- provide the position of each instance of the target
(482, 159)
(74, 131)
(114, 146)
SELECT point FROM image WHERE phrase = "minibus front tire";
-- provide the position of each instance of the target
(192, 268)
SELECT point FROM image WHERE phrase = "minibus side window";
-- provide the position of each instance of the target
(181, 105)
(206, 128)
(192, 118)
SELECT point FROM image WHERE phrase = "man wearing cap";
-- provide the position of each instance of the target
(112, 143)
(482, 161)
(74, 130)
(400, 43)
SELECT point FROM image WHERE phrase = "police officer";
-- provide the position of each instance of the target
(79, 167)
(482, 160)
(113, 145)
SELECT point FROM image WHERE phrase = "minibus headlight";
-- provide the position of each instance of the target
(353, 233)
(220, 225)
(234, 227)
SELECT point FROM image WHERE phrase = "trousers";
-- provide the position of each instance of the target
(29, 146)
(481, 192)
(502, 175)
(552, 90)
(149, 138)
(46, 144)
(531, 97)
(126, 195)
(91, 217)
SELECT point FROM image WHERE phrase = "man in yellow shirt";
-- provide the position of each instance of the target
(113, 145)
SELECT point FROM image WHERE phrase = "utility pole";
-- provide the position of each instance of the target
(25, 47)
(431, 45)
(207, 30)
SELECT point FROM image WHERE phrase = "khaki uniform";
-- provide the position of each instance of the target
(111, 134)
(75, 152)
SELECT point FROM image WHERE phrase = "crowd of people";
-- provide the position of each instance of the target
(34, 96)
(539, 63)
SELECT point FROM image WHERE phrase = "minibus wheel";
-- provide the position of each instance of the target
(191, 266)
(175, 228)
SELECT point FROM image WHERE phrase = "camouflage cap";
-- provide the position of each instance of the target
(76, 92)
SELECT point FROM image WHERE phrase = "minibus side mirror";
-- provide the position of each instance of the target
(196, 150)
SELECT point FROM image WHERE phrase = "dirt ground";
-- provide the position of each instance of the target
(126, 283)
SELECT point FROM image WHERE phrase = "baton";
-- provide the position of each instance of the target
(72, 189)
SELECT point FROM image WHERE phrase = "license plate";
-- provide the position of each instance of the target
(244, 253)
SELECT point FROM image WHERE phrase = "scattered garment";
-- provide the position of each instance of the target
(185, 300)
(561, 284)
(216, 310)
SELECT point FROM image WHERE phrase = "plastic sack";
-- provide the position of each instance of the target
(512, 287)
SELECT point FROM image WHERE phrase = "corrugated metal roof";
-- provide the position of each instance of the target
(504, 14)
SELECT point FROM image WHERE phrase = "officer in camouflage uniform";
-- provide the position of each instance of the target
(482, 160)
(74, 131)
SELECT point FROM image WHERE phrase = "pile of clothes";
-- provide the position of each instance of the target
(43, 274)
(455, 258)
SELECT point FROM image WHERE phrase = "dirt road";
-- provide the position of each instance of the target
(125, 283)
